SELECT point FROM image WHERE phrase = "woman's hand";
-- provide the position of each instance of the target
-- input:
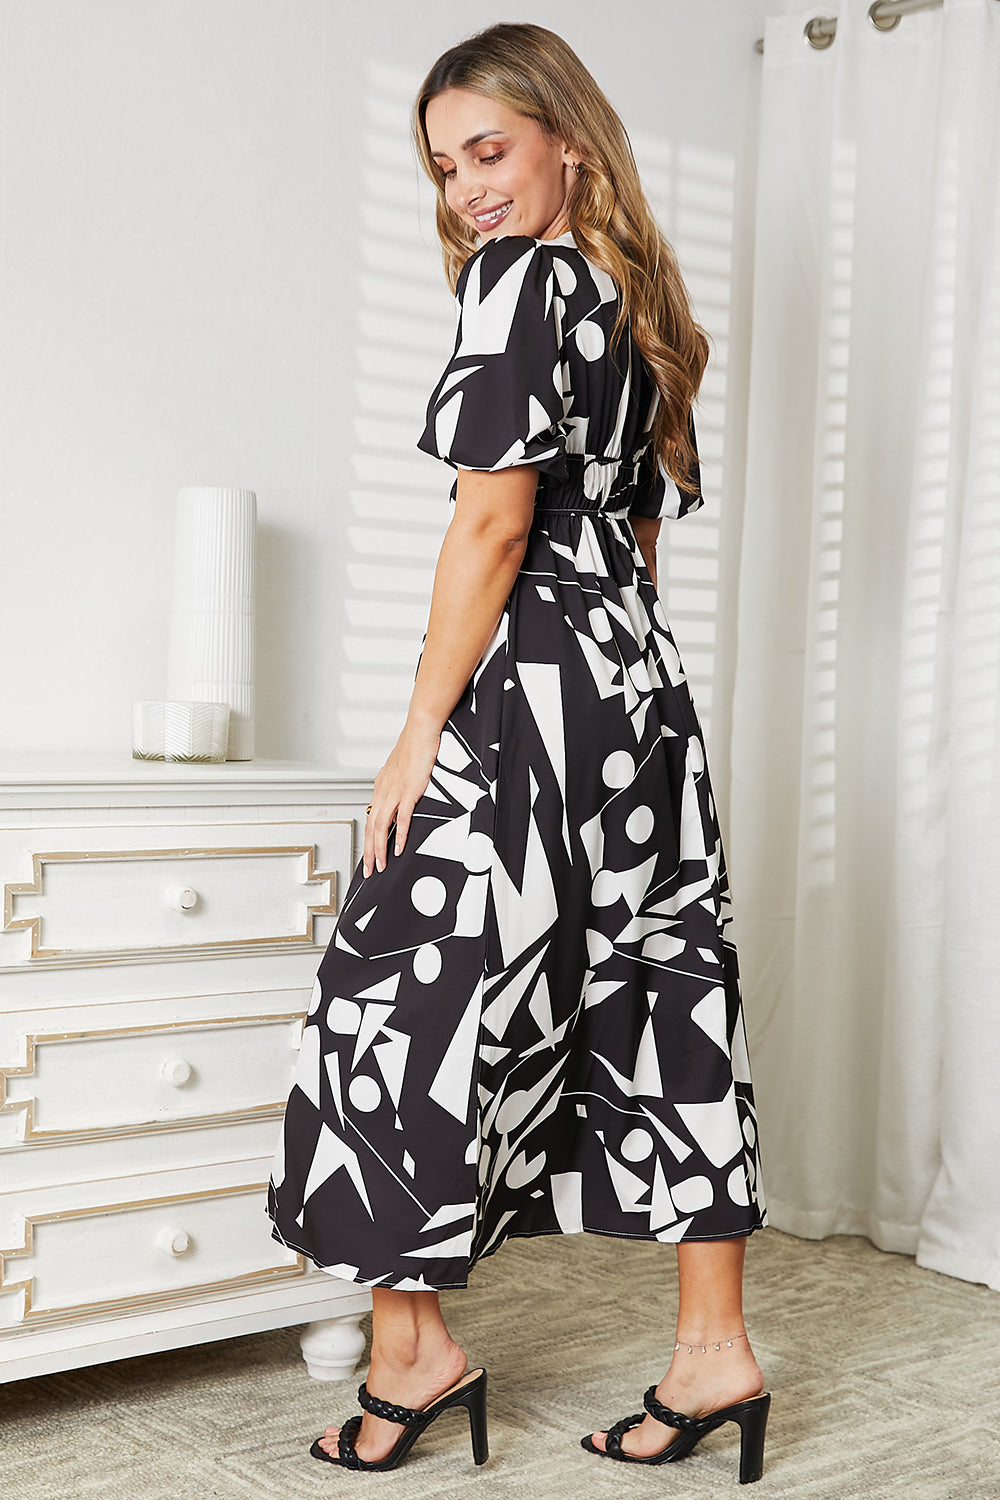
(399, 785)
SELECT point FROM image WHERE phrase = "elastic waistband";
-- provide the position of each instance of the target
(581, 510)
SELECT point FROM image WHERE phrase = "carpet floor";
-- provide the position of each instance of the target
(885, 1381)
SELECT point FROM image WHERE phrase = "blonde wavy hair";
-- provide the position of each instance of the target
(534, 72)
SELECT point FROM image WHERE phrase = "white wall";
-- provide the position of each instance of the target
(218, 268)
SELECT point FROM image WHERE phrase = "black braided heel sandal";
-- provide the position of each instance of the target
(470, 1392)
(750, 1415)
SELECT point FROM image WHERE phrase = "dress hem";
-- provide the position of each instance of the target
(528, 1234)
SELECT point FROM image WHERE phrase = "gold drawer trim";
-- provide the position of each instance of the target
(33, 887)
(38, 1039)
(142, 1299)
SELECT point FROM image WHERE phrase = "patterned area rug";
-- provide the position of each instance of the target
(884, 1379)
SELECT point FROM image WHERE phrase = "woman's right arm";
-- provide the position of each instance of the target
(480, 556)
(647, 529)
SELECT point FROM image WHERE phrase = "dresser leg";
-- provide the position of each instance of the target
(332, 1347)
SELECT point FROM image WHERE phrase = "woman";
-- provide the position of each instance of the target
(528, 1020)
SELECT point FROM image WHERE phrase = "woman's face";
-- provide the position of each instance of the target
(503, 174)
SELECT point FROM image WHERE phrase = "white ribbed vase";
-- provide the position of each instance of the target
(210, 656)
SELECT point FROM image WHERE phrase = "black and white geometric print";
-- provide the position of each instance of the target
(532, 370)
(530, 1021)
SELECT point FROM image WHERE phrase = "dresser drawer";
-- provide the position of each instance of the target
(127, 1079)
(153, 1247)
(87, 895)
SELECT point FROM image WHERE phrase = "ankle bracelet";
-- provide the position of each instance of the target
(697, 1348)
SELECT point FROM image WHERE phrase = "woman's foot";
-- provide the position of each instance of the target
(409, 1373)
(696, 1384)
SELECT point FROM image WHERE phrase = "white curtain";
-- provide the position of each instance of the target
(865, 793)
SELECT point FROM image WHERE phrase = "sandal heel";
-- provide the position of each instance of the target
(474, 1401)
(753, 1425)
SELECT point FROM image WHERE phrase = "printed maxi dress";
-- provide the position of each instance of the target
(530, 1021)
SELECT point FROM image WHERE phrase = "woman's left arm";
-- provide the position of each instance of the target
(482, 550)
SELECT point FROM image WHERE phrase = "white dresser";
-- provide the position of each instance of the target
(162, 927)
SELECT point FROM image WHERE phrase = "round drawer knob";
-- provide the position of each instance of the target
(176, 1070)
(173, 1241)
(182, 898)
